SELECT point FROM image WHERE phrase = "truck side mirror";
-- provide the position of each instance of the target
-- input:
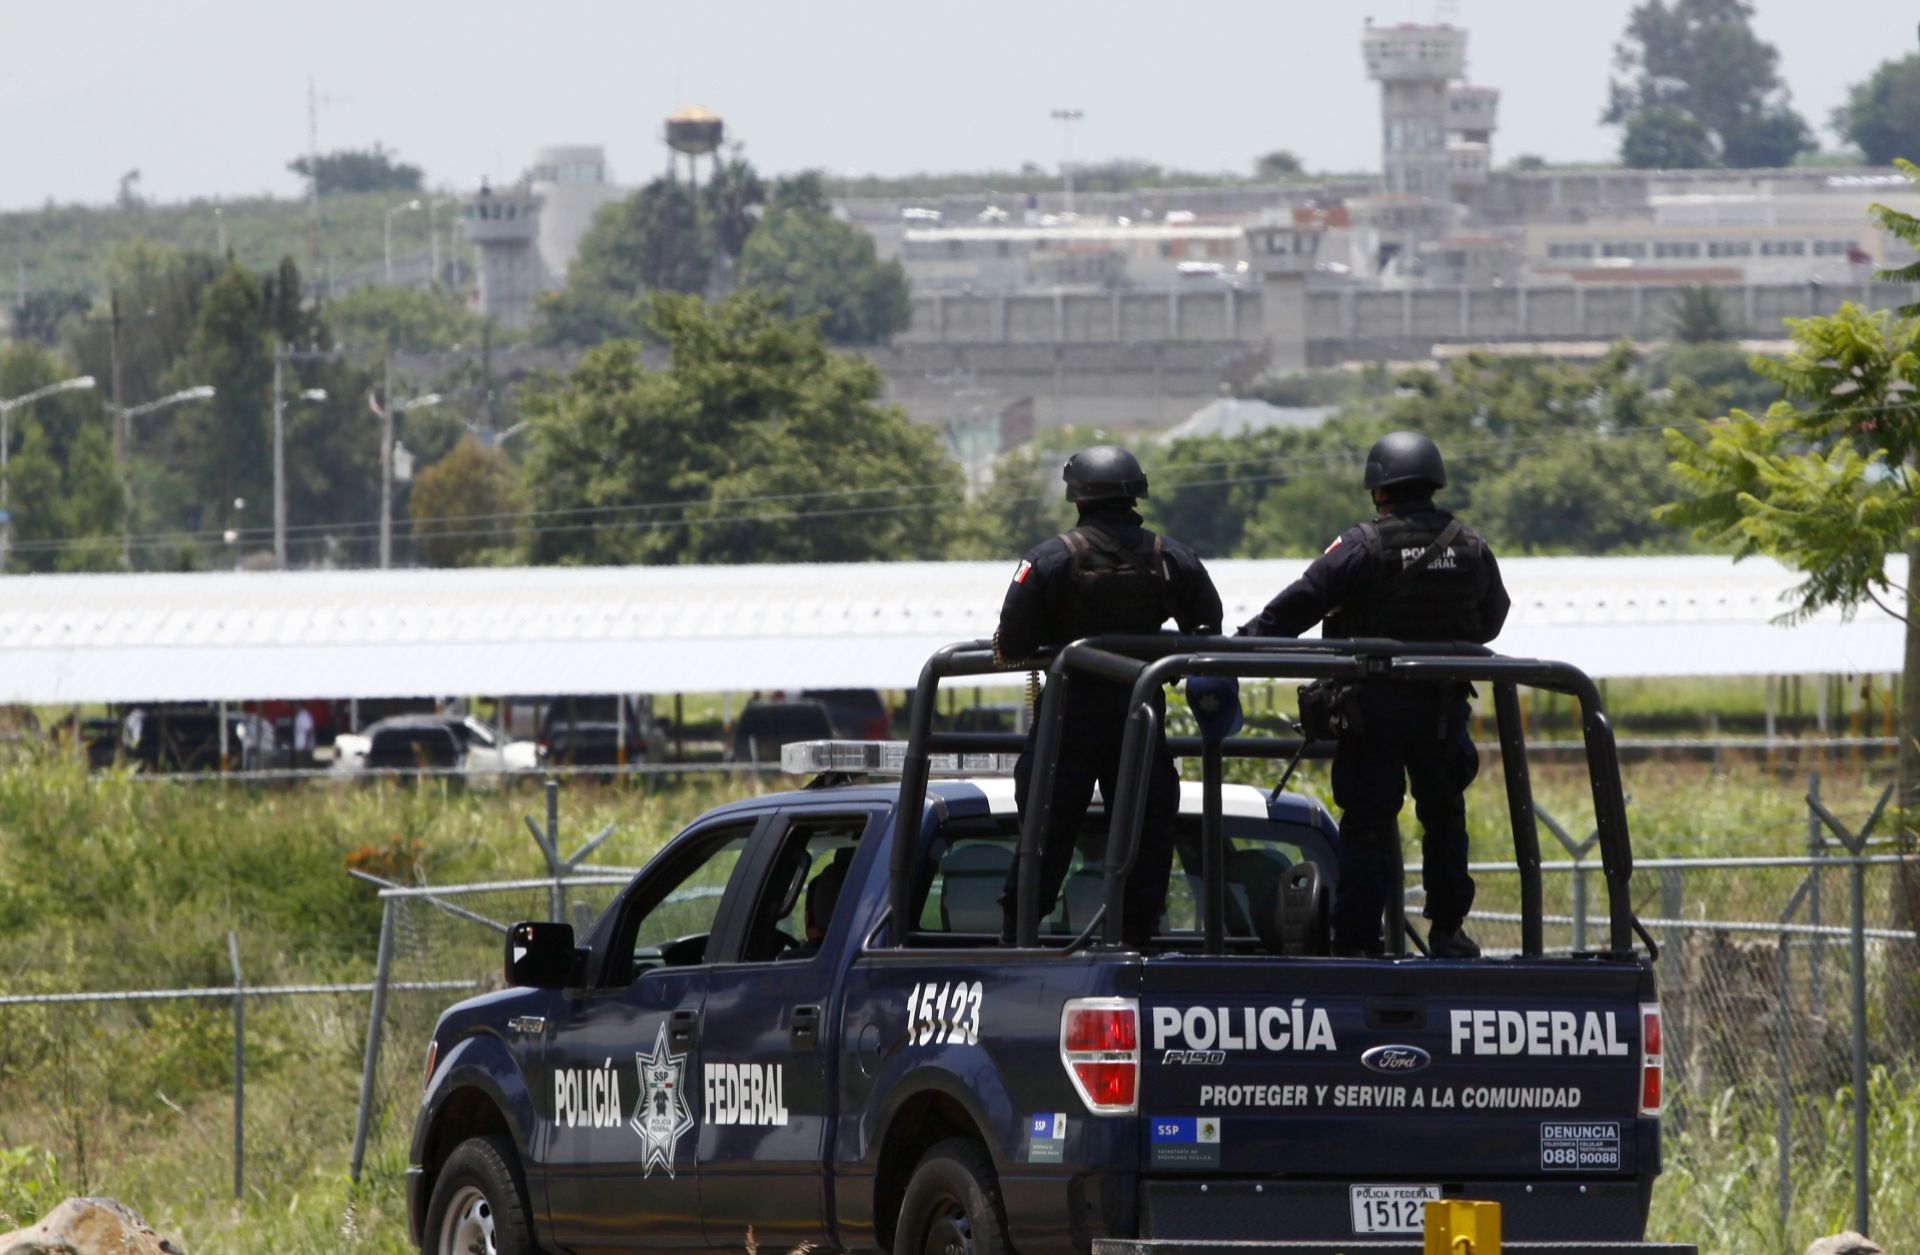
(541, 955)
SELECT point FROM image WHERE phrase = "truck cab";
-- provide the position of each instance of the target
(800, 1018)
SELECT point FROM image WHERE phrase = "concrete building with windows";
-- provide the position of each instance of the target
(1073, 254)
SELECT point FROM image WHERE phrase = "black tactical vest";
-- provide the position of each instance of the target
(1116, 589)
(1440, 602)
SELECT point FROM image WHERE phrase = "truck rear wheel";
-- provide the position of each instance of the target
(952, 1204)
(477, 1208)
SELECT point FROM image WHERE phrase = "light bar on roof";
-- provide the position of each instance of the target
(884, 758)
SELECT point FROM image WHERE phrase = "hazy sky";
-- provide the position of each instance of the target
(209, 97)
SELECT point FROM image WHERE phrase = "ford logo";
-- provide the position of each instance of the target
(1396, 1059)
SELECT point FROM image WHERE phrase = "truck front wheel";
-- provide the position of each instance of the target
(952, 1204)
(477, 1208)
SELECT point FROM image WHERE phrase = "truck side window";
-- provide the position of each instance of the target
(797, 902)
(666, 921)
(969, 860)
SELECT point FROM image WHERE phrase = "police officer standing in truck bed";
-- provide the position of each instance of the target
(1109, 575)
(1412, 574)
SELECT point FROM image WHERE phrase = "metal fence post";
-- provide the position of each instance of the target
(382, 966)
(1816, 848)
(1675, 1027)
(1856, 847)
(239, 1069)
(1783, 1105)
(549, 843)
(1860, 1093)
(1577, 851)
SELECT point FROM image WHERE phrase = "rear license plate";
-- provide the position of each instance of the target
(1390, 1208)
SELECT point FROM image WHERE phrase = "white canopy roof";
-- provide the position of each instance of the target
(555, 630)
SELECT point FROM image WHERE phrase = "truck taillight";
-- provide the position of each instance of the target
(1100, 1046)
(433, 1055)
(1650, 1089)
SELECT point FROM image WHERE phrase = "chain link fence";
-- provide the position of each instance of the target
(1785, 981)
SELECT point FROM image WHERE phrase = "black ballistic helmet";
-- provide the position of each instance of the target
(1404, 457)
(1102, 472)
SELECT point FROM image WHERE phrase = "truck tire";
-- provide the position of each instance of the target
(477, 1207)
(952, 1204)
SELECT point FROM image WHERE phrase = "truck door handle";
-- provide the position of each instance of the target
(806, 1027)
(681, 1027)
(1396, 1013)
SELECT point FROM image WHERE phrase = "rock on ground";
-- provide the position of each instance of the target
(87, 1226)
(1848, 1243)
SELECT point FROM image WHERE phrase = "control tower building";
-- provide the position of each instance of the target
(1414, 65)
(504, 229)
(570, 181)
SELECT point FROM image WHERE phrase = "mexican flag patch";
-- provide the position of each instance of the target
(1020, 575)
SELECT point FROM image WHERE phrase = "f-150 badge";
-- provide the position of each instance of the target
(662, 1117)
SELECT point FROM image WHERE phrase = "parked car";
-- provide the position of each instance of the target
(586, 732)
(441, 742)
(178, 737)
(857, 714)
(763, 727)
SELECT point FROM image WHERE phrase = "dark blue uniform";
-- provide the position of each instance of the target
(1108, 575)
(1414, 733)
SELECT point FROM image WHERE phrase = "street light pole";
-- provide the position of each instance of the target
(386, 460)
(7, 408)
(388, 410)
(282, 355)
(1066, 118)
(279, 466)
(388, 233)
(123, 422)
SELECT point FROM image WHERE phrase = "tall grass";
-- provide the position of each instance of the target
(108, 883)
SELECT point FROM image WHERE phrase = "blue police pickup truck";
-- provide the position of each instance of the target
(801, 1018)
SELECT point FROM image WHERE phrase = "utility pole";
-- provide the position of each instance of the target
(389, 410)
(279, 465)
(113, 370)
(386, 460)
(282, 355)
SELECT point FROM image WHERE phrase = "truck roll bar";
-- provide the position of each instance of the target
(1148, 663)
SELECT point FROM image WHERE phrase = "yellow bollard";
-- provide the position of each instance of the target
(1456, 1226)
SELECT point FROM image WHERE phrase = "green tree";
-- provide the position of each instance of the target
(1592, 496)
(1021, 507)
(805, 190)
(42, 314)
(369, 318)
(1281, 163)
(227, 439)
(757, 444)
(1904, 227)
(817, 265)
(64, 492)
(1704, 57)
(158, 292)
(463, 507)
(1882, 114)
(732, 199)
(1665, 137)
(652, 241)
(1696, 316)
(1825, 480)
(359, 170)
